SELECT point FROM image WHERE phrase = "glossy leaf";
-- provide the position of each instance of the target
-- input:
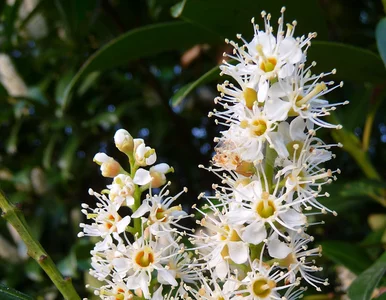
(141, 42)
(380, 34)
(345, 54)
(363, 286)
(351, 256)
(342, 57)
(226, 18)
(7, 293)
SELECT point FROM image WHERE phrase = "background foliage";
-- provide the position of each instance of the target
(87, 68)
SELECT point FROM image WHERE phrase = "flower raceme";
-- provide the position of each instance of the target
(252, 240)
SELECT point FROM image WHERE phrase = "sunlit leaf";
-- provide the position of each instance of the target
(380, 34)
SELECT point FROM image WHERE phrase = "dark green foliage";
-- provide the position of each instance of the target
(104, 65)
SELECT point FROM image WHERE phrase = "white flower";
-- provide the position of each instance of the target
(106, 219)
(138, 262)
(162, 215)
(298, 259)
(122, 190)
(301, 95)
(263, 282)
(259, 208)
(144, 155)
(221, 241)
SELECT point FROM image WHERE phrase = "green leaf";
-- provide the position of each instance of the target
(137, 43)
(7, 293)
(351, 256)
(352, 63)
(184, 91)
(345, 55)
(227, 19)
(380, 35)
(363, 286)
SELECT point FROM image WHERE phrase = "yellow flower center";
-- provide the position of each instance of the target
(262, 287)
(258, 127)
(269, 64)
(250, 96)
(266, 207)
(144, 257)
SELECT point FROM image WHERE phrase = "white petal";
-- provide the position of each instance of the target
(286, 70)
(122, 224)
(120, 136)
(278, 144)
(293, 218)
(160, 168)
(263, 91)
(278, 249)
(101, 158)
(166, 276)
(268, 41)
(297, 127)
(254, 233)
(276, 109)
(222, 269)
(142, 177)
(151, 159)
(143, 209)
(158, 294)
(238, 252)
(121, 264)
(279, 89)
(240, 216)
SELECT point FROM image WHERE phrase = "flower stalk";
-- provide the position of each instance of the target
(14, 216)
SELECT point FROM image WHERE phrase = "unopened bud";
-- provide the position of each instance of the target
(124, 141)
(109, 166)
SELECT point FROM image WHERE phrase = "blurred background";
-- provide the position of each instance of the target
(73, 72)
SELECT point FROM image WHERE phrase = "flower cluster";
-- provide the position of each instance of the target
(269, 160)
(252, 243)
(138, 249)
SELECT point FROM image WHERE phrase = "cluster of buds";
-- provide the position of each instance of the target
(269, 159)
(253, 242)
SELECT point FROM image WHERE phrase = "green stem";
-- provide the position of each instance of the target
(353, 146)
(369, 123)
(137, 203)
(35, 250)
(270, 155)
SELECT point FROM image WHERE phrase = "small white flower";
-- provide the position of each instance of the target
(106, 219)
(144, 155)
(122, 190)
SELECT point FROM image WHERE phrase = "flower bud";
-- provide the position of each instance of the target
(144, 155)
(157, 174)
(109, 166)
(124, 141)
